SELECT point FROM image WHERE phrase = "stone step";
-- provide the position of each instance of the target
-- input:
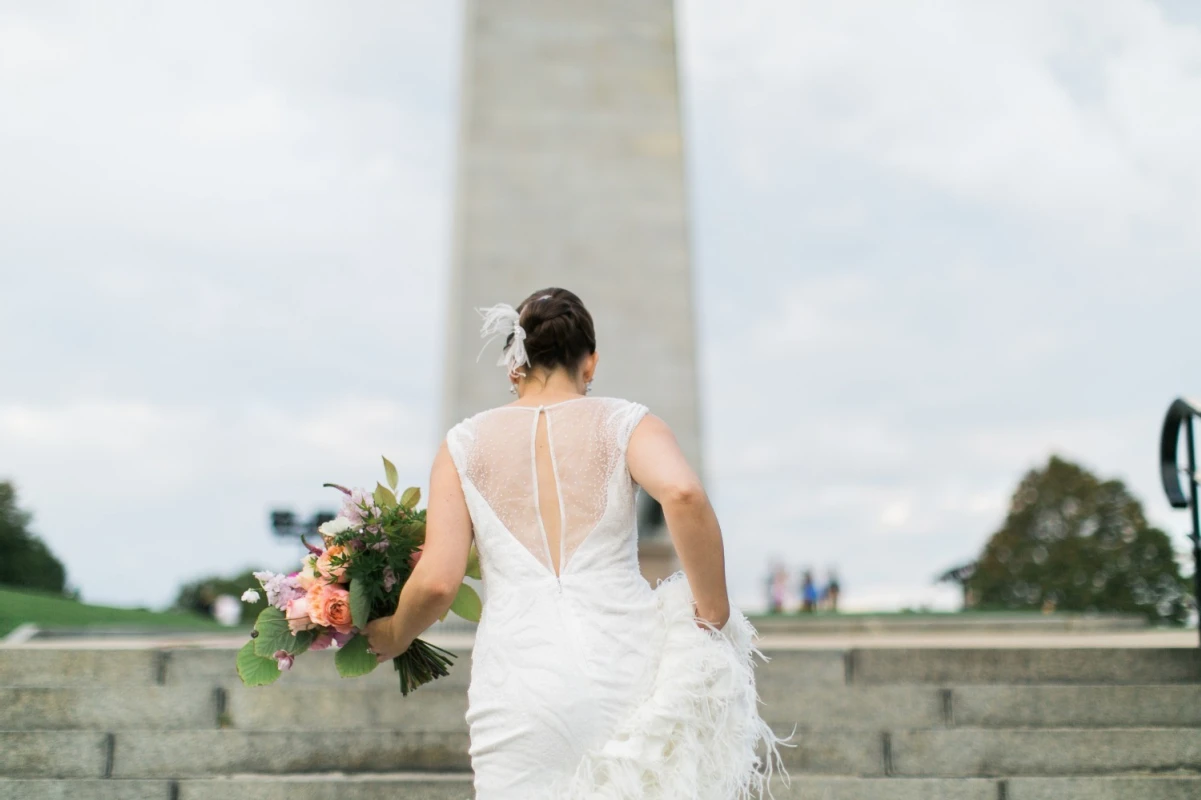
(105, 708)
(873, 708)
(20, 667)
(1031, 623)
(181, 754)
(974, 752)
(963, 752)
(1008, 666)
(47, 667)
(458, 787)
(1114, 706)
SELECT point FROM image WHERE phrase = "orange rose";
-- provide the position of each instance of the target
(329, 606)
(329, 571)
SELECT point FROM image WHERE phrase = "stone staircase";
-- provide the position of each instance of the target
(887, 724)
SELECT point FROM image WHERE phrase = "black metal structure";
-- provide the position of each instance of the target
(286, 525)
(1182, 413)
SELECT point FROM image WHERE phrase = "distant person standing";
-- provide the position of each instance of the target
(808, 593)
(833, 588)
(779, 589)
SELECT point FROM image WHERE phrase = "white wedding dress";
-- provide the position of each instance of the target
(585, 682)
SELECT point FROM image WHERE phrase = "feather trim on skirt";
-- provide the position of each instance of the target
(697, 735)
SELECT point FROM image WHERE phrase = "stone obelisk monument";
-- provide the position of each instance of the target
(571, 173)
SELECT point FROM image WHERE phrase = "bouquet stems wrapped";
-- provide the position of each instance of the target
(369, 550)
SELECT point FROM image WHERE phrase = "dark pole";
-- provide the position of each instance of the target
(1196, 537)
(1181, 413)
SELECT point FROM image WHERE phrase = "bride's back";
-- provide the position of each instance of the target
(552, 481)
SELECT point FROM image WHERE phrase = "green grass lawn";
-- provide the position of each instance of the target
(50, 611)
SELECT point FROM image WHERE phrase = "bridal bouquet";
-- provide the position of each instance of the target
(368, 552)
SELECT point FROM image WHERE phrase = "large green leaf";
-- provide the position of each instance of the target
(473, 564)
(390, 474)
(467, 604)
(383, 496)
(273, 634)
(360, 604)
(411, 497)
(256, 670)
(353, 660)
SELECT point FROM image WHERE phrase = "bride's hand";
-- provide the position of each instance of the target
(381, 639)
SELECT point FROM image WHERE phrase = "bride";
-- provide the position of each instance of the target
(585, 681)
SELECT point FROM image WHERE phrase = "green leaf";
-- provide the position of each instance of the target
(256, 670)
(473, 564)
(390, 474)
(274, 635)
(360, 604)
(467, 604)
(384, 497)
(411, 497)
(353, 660)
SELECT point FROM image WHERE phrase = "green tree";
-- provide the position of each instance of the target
(199, 595)
(26, 561)
(1078, 543)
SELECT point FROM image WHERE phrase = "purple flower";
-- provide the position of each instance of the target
(380, 546)
(322, 642)
(389, 579)
(280, 589)
(341, 638)
(359, 507)
(284, 659)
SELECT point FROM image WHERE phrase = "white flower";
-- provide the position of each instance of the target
(250, 596)
(335, 526)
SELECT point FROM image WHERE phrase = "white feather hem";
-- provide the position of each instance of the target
(697, 735)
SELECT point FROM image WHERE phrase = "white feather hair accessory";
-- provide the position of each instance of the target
(503, 320)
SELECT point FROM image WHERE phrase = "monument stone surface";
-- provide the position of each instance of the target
(571, 173)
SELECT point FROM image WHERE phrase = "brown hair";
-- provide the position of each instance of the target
(558, 329)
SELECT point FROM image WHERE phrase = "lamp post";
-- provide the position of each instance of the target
(286, 525)
(1182, 413)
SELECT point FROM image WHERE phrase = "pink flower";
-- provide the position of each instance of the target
(297, 614)
(389, 579)
(331, 637)
(284, 659)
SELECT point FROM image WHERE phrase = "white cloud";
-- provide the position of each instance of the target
(1075, 115)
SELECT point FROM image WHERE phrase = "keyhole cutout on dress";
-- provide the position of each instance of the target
(550, 506)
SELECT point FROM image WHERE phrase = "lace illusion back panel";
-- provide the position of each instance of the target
(545, 472)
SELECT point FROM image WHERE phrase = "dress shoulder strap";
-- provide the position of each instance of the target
(624, 417)
(459, 441)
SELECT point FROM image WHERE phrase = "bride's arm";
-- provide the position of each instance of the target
(435, 580)
(659, 467)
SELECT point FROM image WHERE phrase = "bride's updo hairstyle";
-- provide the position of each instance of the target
(558, 330)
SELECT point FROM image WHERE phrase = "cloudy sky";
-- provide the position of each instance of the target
(934, 244)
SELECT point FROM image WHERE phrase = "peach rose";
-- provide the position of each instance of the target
(327, 570)
(329, 605)
(297, 614)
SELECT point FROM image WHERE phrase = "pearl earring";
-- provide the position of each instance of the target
(512, 389)
(588, 388)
